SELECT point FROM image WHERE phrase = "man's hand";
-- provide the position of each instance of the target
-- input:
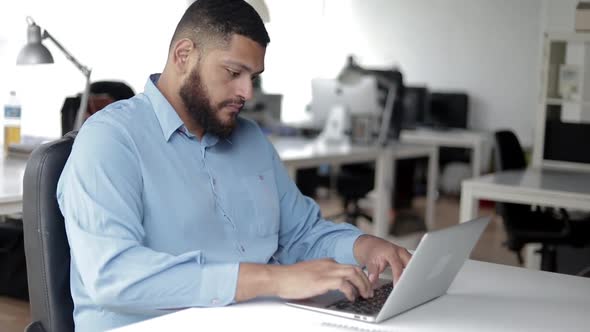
(301, 280)
(376, 254)
(317, 277)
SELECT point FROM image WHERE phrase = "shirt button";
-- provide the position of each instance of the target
(213, 181)
(215, 301)
(242, 248)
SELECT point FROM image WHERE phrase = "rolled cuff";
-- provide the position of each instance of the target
(219, 284)
(344, 249)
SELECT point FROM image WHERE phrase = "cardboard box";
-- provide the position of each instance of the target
(583, 17)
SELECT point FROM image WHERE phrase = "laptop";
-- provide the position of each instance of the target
(433, 267)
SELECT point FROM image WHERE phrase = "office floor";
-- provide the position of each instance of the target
(14, 314)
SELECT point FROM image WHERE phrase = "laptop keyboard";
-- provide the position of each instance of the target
(365, 306)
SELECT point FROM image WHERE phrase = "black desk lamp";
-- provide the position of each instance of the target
(34, 52)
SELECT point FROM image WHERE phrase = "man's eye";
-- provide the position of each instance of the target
(233, 74)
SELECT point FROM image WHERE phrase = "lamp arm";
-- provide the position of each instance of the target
(85, 70)
(387, 113)
(83, 105)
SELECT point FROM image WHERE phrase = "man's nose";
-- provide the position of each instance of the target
(245, 89)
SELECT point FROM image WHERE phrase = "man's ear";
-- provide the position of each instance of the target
(181, 53)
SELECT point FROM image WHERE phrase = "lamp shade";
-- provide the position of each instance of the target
(352, 73)
(261, 9)
(34, 52)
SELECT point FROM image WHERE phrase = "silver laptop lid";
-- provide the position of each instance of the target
(435, 263)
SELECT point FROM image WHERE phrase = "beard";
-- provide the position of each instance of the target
(198, 104)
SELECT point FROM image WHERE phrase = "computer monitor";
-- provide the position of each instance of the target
(263, 108)
(358, 99)
(447, 110)
(415, 106)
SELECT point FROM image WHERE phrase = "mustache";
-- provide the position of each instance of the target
(233, 102)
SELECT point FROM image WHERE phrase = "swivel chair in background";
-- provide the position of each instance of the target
(525, 224)
(46, 244)
(355, 181)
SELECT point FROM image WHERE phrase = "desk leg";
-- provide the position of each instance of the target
(476, 160)
(532, 260)
(469, 204)
(383, 186)
(431, 187)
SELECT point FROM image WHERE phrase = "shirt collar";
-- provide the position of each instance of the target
(169, 120)
(165, 113)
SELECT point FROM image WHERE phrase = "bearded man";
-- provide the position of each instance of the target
(172, 200)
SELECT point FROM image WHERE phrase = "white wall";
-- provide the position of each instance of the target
(558, 15)
(123, 40)
(490, 49)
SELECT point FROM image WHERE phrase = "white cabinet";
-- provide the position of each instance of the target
(563, 116)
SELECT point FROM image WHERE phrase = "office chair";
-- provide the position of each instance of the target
(525, 224)
(102, 93)
(46, 244)
(353, 183)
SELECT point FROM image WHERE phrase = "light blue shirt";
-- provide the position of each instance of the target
(158, 220)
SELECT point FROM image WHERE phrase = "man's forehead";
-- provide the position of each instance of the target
(242, 52)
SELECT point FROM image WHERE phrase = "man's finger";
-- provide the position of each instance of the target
(396, 268)
(346, 288)
(374, 272)
(366, 281)
(405, 256)
(357, 278)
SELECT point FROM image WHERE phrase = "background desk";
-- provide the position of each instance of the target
(303, 153)
(533, 186)
(483, 297)
(12, 171)
(563, 189)
(295, 153)
(453, 138)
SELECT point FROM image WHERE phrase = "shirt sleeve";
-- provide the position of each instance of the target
(100, 196)
(303, 233)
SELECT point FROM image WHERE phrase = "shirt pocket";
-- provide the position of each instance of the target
(263, 195)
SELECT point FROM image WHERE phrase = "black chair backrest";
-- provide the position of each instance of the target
(509, 153)
(510, 156)
(116, 90)
(46, 244)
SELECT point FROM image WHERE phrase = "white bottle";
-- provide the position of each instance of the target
(12, 120)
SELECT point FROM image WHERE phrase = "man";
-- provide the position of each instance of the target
(171, 200)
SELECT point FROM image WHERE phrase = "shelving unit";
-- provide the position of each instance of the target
(564, 103)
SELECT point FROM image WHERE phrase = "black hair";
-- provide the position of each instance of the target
(207, 21)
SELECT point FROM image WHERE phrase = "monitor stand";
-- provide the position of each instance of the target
(337, 126)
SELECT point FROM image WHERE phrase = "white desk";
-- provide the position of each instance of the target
(299, 153)
(296, 153)
(534, 186)
(454, 138)
(11, 185)
(483, 297)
